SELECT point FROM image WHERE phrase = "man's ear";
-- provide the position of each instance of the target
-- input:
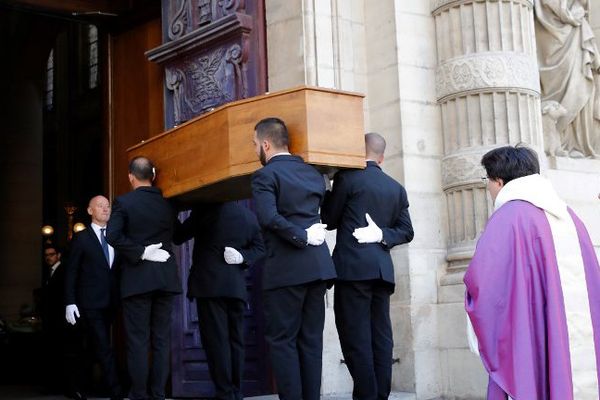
(266, 145)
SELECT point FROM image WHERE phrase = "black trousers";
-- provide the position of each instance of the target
(362, 318)
(98, 322)
(295, 317)
(148, 316)
(65, 362)
(221, 321)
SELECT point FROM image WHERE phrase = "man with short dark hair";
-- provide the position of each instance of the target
(91, 288)
(141, 230)
(364, 267)
(287, 194)
(533, 288)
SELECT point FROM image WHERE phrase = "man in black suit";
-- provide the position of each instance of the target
(287, 194)
(364, 267)
(53, 325)
(227, 241)
(141, 230)
(62, 343)
(91, 286)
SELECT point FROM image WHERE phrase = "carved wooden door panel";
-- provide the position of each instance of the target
(213, 52)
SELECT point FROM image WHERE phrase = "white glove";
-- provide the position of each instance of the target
(70, 313)
(370, 233)
(327, 182)
(154, 252)
(315, 234)
(232, 256)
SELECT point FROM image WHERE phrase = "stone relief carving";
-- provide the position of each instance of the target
(461, 169)
(552, 111)
(179, 23)
(208, 81)
(569, 64)
(484, 71)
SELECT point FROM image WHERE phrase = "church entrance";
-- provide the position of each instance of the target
(77, 91)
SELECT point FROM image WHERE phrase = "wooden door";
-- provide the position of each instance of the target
(213, 52)
(135, 93)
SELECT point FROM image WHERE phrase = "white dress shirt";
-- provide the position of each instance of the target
(111, 251)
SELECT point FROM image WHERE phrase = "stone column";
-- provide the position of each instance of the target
(488, 88)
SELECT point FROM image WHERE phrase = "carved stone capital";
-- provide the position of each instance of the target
(486, 72)
(438, 6)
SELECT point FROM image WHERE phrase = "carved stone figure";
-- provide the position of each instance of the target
(552, 111)
(570, 72)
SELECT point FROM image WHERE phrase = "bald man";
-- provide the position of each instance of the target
(91, 291)
(369, 209)
(141, 229)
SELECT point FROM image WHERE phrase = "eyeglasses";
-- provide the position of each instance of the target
(484, 179)
(50, 254)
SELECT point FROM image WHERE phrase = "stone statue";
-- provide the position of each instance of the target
(552, 111)
(569, 64)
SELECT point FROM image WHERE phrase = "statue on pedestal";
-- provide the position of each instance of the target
(569, 64)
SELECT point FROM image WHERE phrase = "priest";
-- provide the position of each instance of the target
(533, 288)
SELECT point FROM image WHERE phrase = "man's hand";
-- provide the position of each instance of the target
(370, 233)
(154, 252)
(70, 313)
(315, 234)
(232, 256)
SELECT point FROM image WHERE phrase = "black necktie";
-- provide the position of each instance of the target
(104, 245)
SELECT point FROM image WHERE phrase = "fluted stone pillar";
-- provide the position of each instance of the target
(488, 88)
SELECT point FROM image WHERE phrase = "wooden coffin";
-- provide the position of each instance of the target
(212, 157)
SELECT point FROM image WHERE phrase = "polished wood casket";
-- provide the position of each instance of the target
(212, 157)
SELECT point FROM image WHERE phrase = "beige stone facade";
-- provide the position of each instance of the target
(445, 81)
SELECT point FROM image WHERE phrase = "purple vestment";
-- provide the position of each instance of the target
(515, 302)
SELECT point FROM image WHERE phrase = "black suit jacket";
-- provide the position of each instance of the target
(89, 281)
(287, 194)
(53, 305)
(355, 193)
(214, 227)
(140, 218)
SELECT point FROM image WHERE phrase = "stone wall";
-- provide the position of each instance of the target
(445, 81)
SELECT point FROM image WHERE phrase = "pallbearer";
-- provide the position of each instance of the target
(287, 194)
